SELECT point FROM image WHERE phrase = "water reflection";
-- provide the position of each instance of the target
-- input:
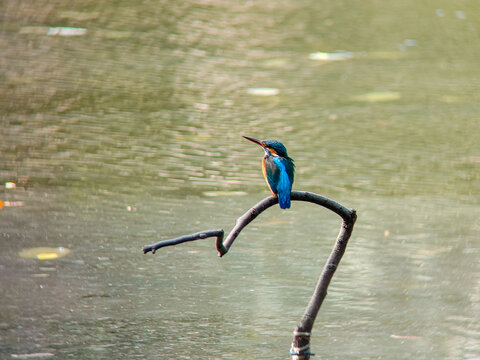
(130, 133)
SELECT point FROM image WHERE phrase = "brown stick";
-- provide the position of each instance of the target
(175, 241)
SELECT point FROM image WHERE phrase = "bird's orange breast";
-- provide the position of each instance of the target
(264, 171)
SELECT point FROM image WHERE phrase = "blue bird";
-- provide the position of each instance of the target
(278, 169)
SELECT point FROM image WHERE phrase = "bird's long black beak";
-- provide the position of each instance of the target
(258, 142)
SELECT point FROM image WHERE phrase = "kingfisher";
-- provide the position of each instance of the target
(278, 169)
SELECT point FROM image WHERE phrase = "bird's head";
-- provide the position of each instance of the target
(273, 147)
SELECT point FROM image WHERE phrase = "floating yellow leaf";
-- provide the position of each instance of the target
(47, 256)
(44, 253)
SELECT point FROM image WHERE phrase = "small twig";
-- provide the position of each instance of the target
(200, 235)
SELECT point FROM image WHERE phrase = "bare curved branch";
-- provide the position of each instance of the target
(300, 349)
(247, 218)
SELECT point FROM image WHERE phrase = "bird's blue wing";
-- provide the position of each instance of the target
(272, 173)
(284, 183)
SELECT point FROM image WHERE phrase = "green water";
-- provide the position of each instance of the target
(131, 133)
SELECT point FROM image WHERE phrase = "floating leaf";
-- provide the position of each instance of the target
(10, 185)
(32, 356)
(13, 203)
(335, 56)
(263, 91)
(378, 96)
(47, 256)
(66, 31)
(44, 253)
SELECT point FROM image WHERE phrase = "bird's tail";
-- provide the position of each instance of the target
(284, 200)
(284, 185)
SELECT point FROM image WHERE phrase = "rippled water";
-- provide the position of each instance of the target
(130, 133)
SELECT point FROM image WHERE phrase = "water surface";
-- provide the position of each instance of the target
(131, 133)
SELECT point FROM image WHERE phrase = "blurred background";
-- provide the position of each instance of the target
(121, 125)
